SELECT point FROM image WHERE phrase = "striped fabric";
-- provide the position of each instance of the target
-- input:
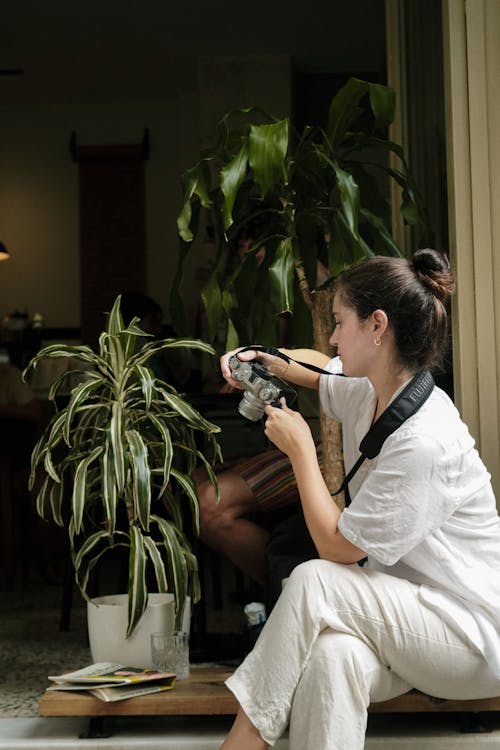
(271, 479)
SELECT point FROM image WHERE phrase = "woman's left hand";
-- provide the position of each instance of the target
(288, 430)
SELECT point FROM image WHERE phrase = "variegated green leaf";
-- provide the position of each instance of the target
(177, 568)
(78, 395)
(137, 590)
(40, 500)
(49, 466)
(109, 495)
(188, 413)
(141, 487)
(115, 321)
(168, 450)
(56, 497)
(158, 564)
(172, 504)
(189, 488)
(211, 474)
(80, 487)
(148, 350)
(117, 357)
(116, 432)
(146, 379)
(90, 543)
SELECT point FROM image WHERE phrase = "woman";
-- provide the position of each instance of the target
(423, 611)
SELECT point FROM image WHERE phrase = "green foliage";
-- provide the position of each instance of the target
(118, 461)
(318, 196)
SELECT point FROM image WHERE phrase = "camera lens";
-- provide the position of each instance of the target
(251, 407)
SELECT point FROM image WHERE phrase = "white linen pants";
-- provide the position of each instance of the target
(340, 637)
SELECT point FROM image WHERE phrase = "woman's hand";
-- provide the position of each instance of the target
(289, 431)
(226, 370)
(275, 365)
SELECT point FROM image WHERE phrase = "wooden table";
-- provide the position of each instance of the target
(204, 694)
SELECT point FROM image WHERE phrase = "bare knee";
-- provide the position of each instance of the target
(218, 516)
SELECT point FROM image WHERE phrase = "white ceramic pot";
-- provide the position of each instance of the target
(107, 618)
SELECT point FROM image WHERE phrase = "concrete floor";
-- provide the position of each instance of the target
(429, 732)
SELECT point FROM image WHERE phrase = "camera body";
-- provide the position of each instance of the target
(261, 388)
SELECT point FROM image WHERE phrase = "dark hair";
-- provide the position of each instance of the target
(412, 293)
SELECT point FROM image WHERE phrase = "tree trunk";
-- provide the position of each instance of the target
(331, 431)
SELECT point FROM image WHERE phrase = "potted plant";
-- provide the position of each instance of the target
(117, 462)
(321, 198)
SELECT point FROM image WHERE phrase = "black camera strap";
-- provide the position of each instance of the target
(406, 403)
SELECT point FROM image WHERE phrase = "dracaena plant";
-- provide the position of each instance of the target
(117, 463)
(321, 198)
(321, 195)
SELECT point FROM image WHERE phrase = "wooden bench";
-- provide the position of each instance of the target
(204, 694)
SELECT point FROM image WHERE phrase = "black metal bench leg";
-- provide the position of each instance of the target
(98, 728)
(473, 723)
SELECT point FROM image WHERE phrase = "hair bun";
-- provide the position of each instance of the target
(433, 270)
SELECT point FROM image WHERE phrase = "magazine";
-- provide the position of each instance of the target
(112, 682)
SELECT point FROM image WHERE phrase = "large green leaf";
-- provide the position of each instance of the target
(344, 109)
(383, 233)
(349, 197)
(282, 272)
(211, 295)
(231, 178)
(383, 104)
(267, 149)
(196, 183)
(232, 338)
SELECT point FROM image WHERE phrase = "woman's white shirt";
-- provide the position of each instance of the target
(424, 509)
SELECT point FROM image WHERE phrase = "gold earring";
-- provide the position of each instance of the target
(377, 342)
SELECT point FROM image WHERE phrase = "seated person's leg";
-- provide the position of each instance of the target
(263, 484)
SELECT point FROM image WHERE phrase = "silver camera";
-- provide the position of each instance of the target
(261, 388)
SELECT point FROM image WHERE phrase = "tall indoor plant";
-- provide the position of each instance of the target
(117, 463)
(320, 196)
